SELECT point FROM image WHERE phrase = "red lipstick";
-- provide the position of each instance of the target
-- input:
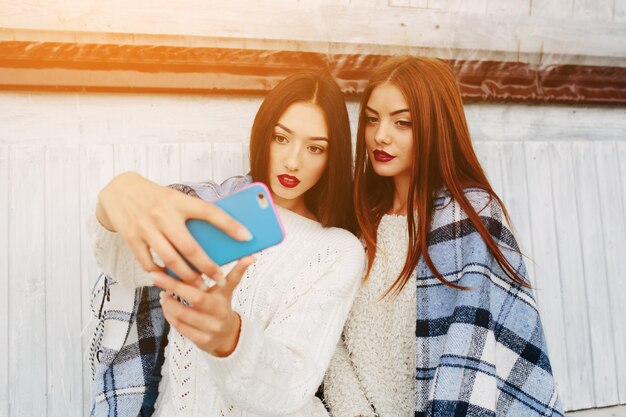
(288, 180)
(382, 156)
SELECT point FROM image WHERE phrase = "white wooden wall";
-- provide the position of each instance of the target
(560, 170)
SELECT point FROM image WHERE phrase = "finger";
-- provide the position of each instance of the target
(189, 316)
(179, 236)
(201, 339)
(202, 210)
(172, 259)
(198, 299)
(234, 276)
(142, 254)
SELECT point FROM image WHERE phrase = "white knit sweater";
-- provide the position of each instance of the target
(375, 360)
(293, 302)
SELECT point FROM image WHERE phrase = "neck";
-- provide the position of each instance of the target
(400, 194)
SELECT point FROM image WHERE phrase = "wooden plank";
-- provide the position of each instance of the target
(489, 156)
(516, 199)
(96, 170)
(552, 8)
(619, 11)
(130, 157)
(63, 282)
(575, 312)
(546, 254)
(613, 218)
(509, 7)
(227, 160)
(621, 157)
(4, 280)
(163, 162)
(599, 10)
(27, 303)
(196, 162)
(593, 248)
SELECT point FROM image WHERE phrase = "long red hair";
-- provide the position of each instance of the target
(444, 159)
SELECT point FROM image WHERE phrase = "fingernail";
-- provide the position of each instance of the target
(243, 234)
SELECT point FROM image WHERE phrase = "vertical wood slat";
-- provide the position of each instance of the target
(619, 11)
(27, 326)
(489, 157)
(4, 281)
(130, 157)
(63, 282)
(613, 218)
(592, 241)
(555, 9)
(621, 158)
(227, 160)
(601, 10)
(196, 162)
(96, 170)
(545, 251)
(163, 163)
(509, 7)
(514, 182)
(575, 314)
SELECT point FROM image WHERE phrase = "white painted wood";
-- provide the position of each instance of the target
(4, 280)
(593, 249)
(256, 24)
(619, 11)
(600, 10)
(613, 220)
(621, 190)
(575, 312)
(546, 254)
(27, 302)
(63, 282)
(196, 162)
(96, 170)
(489, 156)
(164, 163)
(130, 157)
(228, 160)
(552, 8)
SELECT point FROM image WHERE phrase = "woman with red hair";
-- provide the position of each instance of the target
(445, 323)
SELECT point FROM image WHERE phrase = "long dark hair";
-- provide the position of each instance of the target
(444, 158)
(330, 199)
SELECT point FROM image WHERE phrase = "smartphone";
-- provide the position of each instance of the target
(252, 206)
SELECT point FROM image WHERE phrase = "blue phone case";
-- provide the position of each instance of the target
(252, 206)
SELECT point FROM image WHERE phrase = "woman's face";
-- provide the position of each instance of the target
(298, 153)
(388, 132)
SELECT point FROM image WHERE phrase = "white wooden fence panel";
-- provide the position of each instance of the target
(62, 243)
(228, 160)
(613, 218)
(4, 281)
(96, 170)
(196, 162)
(592, 241)
(130, 157)
(545, 251)
(621, 190)
(27, 291)
(164, 163)
(576, 319)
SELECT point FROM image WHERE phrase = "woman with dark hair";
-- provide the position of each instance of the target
(445, 323)
(258, 342)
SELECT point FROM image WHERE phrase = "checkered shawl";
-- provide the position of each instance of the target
(480, 352)
(127, 347)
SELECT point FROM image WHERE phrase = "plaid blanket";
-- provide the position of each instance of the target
(127, 347)
(480, 352)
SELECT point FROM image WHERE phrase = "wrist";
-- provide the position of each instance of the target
(232, 337)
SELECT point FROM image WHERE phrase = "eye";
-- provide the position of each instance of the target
(404, 123)
(371, 119)
(316, 149)
(280, 138)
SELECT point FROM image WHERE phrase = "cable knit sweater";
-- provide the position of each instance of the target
(293, 302)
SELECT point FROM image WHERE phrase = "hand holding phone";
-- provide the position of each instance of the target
(252, 206)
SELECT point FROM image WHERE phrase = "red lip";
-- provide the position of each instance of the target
(382, 156)
(288, 181)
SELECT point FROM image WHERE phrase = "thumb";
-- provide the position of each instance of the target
(234, 276)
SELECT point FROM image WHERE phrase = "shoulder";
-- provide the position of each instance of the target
(483, 203)
(211, 190)
(340, 250)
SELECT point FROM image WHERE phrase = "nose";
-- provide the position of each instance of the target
(382, 135)
(292, 160)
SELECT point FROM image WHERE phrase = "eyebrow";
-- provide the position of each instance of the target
(286, 129)
(393, 113)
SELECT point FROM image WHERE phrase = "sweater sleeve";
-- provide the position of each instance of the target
(342, 390)
(114, 257)
(276, 370)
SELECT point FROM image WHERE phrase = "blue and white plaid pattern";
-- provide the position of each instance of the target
(127, 347)
(480, 352)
